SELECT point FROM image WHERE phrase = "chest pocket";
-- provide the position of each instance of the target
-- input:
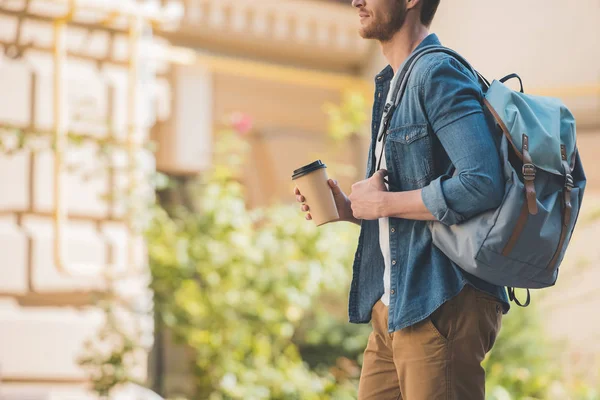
(411, 150)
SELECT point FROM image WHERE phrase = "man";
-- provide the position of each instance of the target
(432, 322)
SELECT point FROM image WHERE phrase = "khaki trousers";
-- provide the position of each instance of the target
(438, 358)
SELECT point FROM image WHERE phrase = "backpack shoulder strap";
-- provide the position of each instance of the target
(412, 61)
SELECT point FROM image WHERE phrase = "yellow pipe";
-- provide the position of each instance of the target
(325, 80)
(60, 139)
(271, 72)
(133, 148)
(61, 130)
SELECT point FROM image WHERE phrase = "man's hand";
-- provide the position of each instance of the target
(341, 201)
(367, 197)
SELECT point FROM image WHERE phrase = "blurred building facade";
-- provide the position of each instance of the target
(276, 61)
(78, 88)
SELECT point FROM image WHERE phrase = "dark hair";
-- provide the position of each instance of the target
(428, 9)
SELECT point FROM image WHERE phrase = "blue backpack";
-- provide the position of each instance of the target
(521, 243)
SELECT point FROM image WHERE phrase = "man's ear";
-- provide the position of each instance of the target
(412, 4)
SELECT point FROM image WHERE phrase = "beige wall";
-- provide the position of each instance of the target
(290, 131)
(588, 142)
(547, 42)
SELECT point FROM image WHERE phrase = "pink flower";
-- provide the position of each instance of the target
(242, 123)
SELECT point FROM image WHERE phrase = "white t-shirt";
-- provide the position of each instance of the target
(384, 223)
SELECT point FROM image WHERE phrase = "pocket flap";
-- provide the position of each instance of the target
(408, 134)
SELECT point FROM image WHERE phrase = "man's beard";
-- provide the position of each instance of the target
(384, 30)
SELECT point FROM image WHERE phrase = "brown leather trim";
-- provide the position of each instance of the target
(517, 231)
(524, 156)
(529, 180)
(567, 210)
(503, 127)
(574, 158)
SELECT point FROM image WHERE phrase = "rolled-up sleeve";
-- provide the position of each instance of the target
(452, 100)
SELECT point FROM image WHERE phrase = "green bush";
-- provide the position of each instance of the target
(525, 365)
(235, 285)
(521, 364)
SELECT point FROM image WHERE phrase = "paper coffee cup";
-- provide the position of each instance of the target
(312, 182)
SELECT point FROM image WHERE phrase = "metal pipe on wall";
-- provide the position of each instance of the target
(61, 124)
(133, 137)
(60, 138)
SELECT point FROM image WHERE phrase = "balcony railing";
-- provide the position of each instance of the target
(319, 33)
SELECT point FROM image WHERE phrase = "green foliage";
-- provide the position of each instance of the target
(347, 122)
(110, 357)
(348, 118)
(520, 363)
(525, 365)
(234, 284)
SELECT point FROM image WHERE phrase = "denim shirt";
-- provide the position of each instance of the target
(440, 122)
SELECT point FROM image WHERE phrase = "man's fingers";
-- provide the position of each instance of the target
(333, 184)
(305, 208)
(300, 199)
(382, 172)
(308, 217)
(296, 190)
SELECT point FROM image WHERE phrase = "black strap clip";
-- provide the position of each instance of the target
(513, 297)
(388, 111)
(387, 108)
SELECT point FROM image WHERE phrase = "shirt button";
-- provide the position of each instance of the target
(392, 292)
(406, 138)
(393, 262)
(393, 230)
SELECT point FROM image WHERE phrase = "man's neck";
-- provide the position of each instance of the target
(403, 43)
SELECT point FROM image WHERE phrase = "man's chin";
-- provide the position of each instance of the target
(366, 33)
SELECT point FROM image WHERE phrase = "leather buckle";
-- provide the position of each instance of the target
(569, 184)
(529, 172)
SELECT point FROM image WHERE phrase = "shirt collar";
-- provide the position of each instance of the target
(388, 72)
